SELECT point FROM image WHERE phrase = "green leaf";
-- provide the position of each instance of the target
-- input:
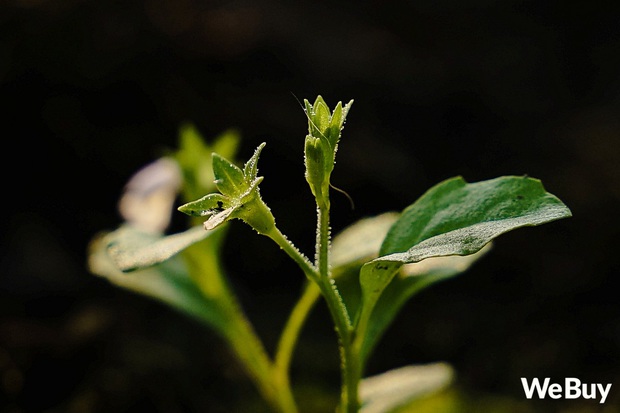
(206, 206)
(240, 197)
(167, 282)
(345, 112)
(497, 205)
(360, 241)
(131, 249)
(319, 100)
(388, 391)
(229, 178)
(250, 170)
(194, 158)
(408, 281)
(336, 119)
(321, 117)
(354, 246)
(453, 218)
(337, 123)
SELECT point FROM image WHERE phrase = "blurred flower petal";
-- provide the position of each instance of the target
(150, 194)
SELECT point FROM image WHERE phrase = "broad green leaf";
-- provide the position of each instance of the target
(388, 391)
(504, 203)
(229, 178)
(457, 218)
(453, 218)
(167, 282)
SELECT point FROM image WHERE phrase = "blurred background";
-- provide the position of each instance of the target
(92, 91)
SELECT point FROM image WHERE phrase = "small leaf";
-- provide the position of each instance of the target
(229, 178)
(337, 122)
(206, 206)
(335, 125)
(319, 100)
(321, 118)
(250, 170)
(345, 112)
(336, 119)
(217, 207)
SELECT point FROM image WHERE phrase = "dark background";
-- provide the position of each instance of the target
(91, 91)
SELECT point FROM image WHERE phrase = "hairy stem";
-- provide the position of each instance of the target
(304, 263)
(350, 363)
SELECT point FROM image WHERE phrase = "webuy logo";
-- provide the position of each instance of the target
(572, 389)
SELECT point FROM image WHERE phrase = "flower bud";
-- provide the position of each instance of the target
(315, 165)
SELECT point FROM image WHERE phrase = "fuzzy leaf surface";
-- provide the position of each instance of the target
(479, 210)
(229, 178)
(452, 218)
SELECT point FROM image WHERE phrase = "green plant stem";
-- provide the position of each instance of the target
(350, 362)
(250, 351)
(304, 263)
(321, 275)
(291, 332)
(207, 273)
(293, 326)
